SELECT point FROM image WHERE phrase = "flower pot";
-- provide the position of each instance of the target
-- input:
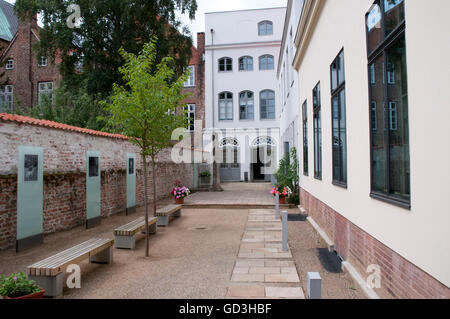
(37, 295)
(205, 180)
(179, 201)
(282, 200)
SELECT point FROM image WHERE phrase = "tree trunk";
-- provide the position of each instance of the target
(154, 186)
(144, 159)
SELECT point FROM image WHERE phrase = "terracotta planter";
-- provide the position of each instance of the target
(37, 295)
(282, 200)
(179, 201)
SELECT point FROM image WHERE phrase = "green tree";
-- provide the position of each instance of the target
(287, 174)
(148, 108)
(69, 106)
(106, 26)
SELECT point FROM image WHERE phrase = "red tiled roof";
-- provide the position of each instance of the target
(58, 126)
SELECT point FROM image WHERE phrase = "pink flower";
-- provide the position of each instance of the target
(15, 278)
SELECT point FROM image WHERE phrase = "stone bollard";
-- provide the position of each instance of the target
(277, 206)
(285, 230)
(314, 285)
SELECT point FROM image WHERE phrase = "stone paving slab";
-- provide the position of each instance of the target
(262, 292)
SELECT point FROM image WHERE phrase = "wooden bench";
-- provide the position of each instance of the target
(49, 273)
(166, 212)
(124, 235)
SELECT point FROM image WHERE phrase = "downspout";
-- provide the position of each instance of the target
(212, 80)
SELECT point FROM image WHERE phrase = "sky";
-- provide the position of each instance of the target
(204, 6)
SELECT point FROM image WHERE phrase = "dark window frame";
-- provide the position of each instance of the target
(317, 107)
(267, 106)
(227, 62)
(380, 51)
(226, 99)
(265, 23)
(305, 138)
(336, 92)
(247, 99)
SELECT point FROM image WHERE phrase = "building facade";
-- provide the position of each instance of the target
(373, 105)
(242, 102)
(287, 77)
(26, 78)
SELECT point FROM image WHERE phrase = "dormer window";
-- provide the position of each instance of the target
(225, 65)
(42, 61)
(9, 64)
(265, 28)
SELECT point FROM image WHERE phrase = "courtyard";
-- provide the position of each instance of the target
(209, 252)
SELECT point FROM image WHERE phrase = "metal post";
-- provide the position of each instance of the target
(285, 230)
(314, 285)
(277, 206)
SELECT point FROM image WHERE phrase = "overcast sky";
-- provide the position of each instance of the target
(198, 25)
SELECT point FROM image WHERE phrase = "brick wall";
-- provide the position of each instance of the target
(65, 179)
(399, 277)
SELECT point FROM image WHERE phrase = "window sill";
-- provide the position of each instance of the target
(391, 200)
(319, 178)
(340, 184)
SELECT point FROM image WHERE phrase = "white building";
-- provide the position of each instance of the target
(288, 85)
(374, 79)
(242, 104)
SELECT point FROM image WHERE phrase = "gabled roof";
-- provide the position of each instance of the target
(8, 21)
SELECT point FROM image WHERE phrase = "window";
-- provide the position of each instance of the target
(190, 113)
(131, 166)
(191, 80)
(226, 106)
(386, 50)
(9, 64)
(6, 98)
(246, 63)
(265, 28)
(372, 74)
(266, 62)
(267, 104)
(317, 121)
(93, 166)
(42, 61)
(339, 121)
(31, 164)
(246, 106)
(45, 89)
(305, 138)
(225, 64)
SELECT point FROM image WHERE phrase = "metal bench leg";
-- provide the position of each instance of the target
(103, 257)
(125, 242)
(53, 286)
(153, 228)
(163, 221)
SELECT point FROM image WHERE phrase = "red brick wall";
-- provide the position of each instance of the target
(65, 179)
(399, 277)
(26, 75)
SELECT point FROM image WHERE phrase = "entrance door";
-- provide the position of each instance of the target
(230, 169)
(93, 189)
(261, 160)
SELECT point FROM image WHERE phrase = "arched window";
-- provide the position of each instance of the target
(265, 28)
(225, 65)
(225, 106)
(267, 104)
(246, 63)
(246, 105)
(266, 62)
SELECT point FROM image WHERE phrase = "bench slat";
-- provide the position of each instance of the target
(55, 264)
(167, 210)
(134, 227)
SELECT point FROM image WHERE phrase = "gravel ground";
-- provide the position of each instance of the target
(308, 250)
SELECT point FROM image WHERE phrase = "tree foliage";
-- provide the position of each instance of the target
(287, 174)
(107, 26)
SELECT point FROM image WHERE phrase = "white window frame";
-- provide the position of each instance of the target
(9, 66)
(43, 61)
(265, 58)
(45, 91)
(264, 23)
(190, 108)
(226, 106)
(393, 116)
(190, 82)
(7, 97)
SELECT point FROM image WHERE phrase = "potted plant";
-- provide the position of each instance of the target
(180, 192)
(283, 192)
(17, 286)
(205, 177)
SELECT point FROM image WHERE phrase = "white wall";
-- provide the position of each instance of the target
(421, 235)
